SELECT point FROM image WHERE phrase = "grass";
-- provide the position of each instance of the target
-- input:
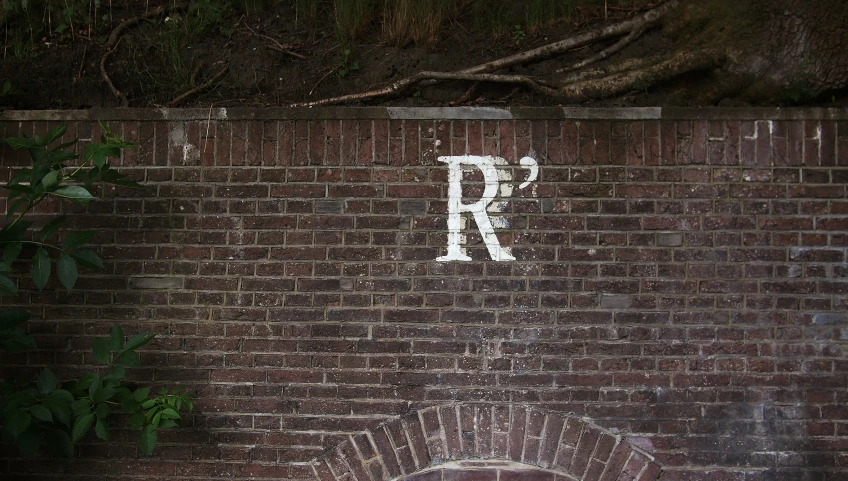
(417, 21)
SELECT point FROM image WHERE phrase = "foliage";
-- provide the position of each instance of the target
(39, 411)
(347, 65)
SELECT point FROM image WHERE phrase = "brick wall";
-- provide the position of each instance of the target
(678, 295)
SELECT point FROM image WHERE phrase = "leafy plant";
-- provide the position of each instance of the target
(518, 35)
(347, 65)
(38, 411)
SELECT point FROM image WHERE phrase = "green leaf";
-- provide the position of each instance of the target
(101, 429)
(75, 240)
(17, 423)
(7, 287)
(66, 269)
(11, 252)
(41, 413)
(55, 133)
(14, 206)
(170, 414)
(119, 371)
(104, 394)
(5, 268)
(85, 381)
(129, 359)
(149, 403)
(51, 179)
(141, 394)
(13, 317)
(63, 395)
(81, 407)
(100, 347)
(18, 143)
(81, 427)
(168, 423)
(76, 193)
(29, 441)
(88, 258)
(116, 338)
(40, 268)
(139, 340)
(51, 229)
(46, 382)
(137, 420)
(96, 386)
(102, 410)
(60, 409)
(156, 418)
(147, 440)
(59, 442)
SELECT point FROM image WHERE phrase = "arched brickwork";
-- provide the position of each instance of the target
(555, 446)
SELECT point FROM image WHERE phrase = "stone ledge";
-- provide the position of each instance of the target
(429, 113)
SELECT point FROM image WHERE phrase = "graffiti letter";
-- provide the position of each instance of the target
(477, 209)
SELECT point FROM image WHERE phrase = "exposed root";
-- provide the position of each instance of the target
(275, 45)
(199, 88)
(644, 21)
(108, 80)
(642, 78)
(115, 36)
(467, 95)
(604, 54)
(618, 67)
(632, 28)
(404, 84)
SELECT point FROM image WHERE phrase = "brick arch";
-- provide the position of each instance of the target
(456, 436)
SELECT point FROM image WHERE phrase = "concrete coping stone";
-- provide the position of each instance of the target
(427, 113)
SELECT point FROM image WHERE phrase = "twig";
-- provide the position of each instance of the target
(322, 78)
(193, 80)
(105, 75)
(275, 45)
(82, 62)
(197, 89)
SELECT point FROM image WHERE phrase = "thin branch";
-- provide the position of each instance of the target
(200, 87)
(275, 45)
(105, 75)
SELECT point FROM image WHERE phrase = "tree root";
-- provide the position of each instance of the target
(119, 30)
(640, 78)
(604, 54)
(631, 28)
(108, 80)
(115, 38)
(199, 88)
(402, 85)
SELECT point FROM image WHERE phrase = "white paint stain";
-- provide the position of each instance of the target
(478, 209)
(530, 163)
